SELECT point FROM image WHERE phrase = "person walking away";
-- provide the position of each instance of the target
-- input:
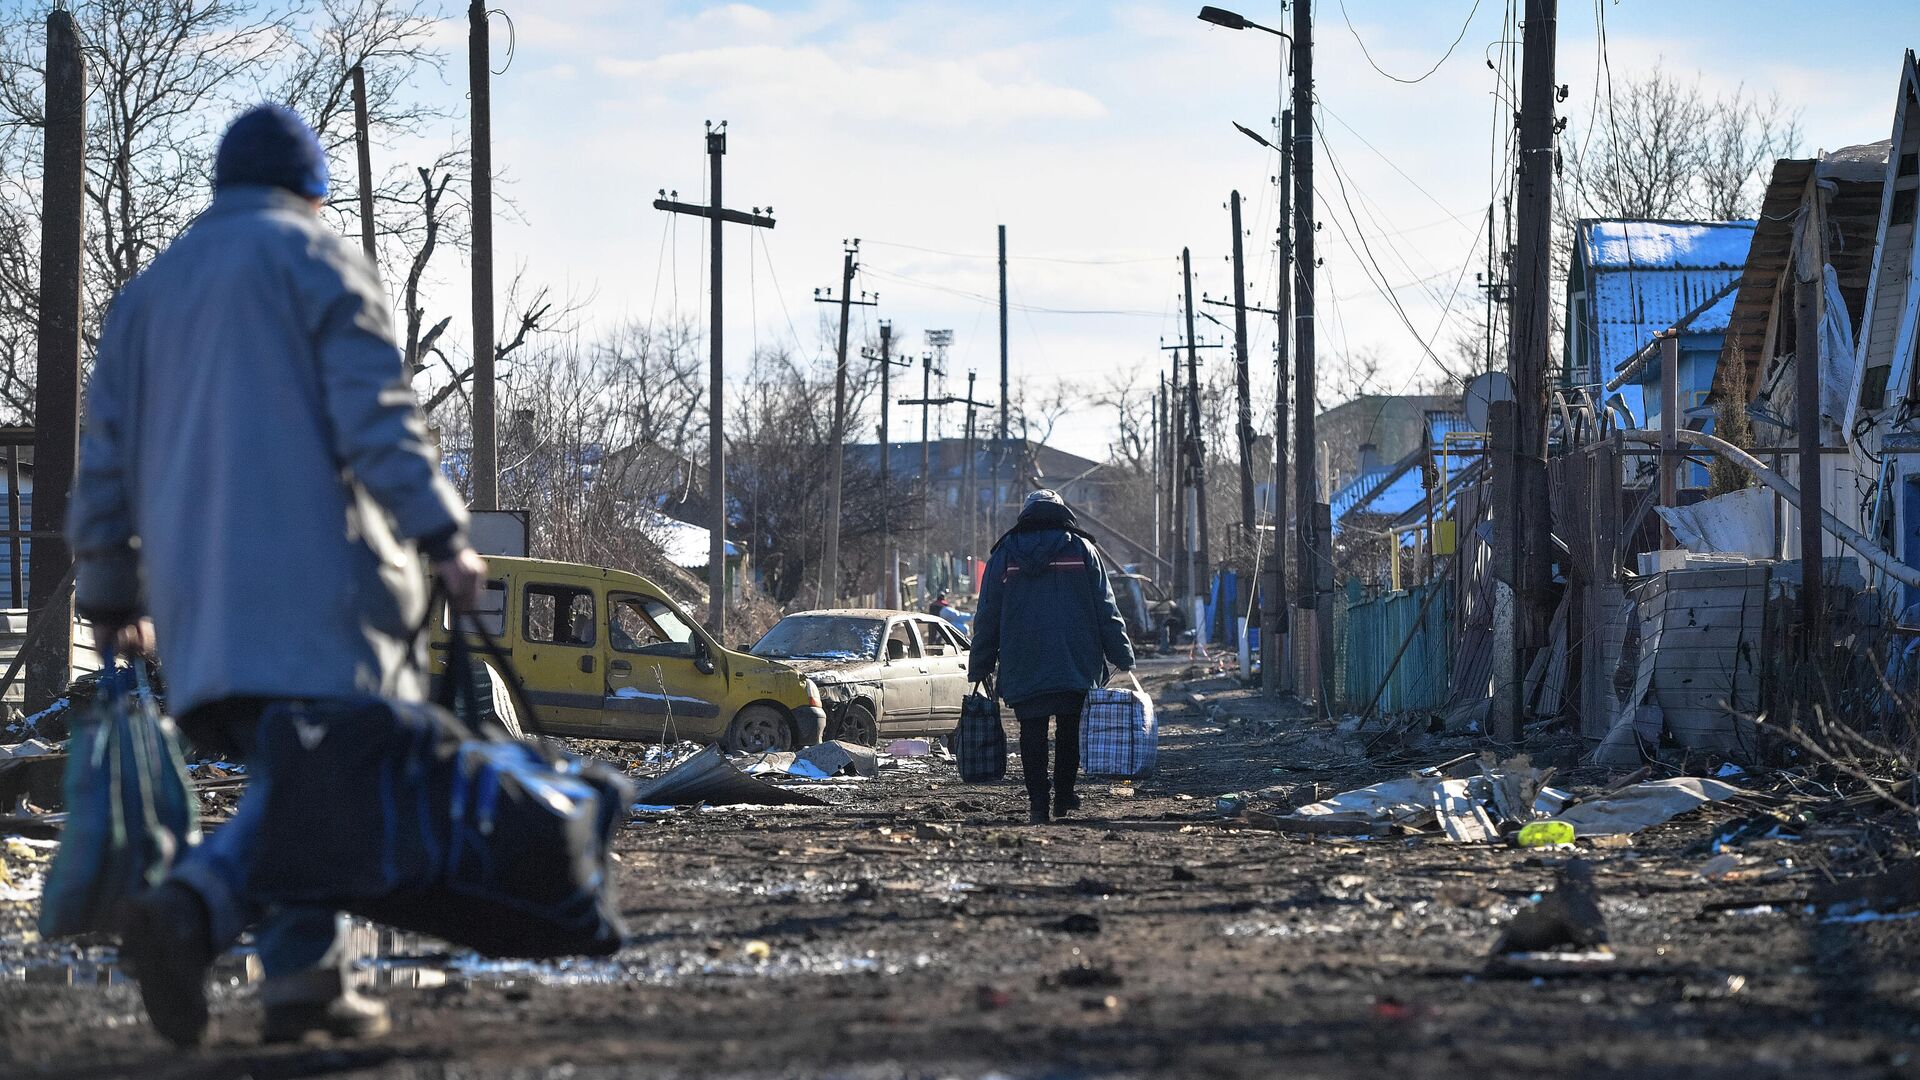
(255, 476)
(940, 609)
(1048, 624)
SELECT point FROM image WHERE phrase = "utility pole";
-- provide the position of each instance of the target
(1306, 492)
(486, 441)
(891, 584)
(932, 362)
(1242, 382)
(363, 150)
(969, 484)
(967, 468)
(1197, 555)
(1808, 310)
(1005, 398)
(717, 215)
(1277, 673)
(56, 411)
(1527, 353)
(830, 559)
(1182, 426)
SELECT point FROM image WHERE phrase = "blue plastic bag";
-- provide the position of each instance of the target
(130, 809)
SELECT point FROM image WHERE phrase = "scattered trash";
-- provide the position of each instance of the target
(837, 756)
(1545, 834)
(785, 764)
(1568, 916)
(909, 748)
(1085, 976)
(1231, 805)
(1641, 806)
(1720, 866)
(708, 777)
(1077, 923)
(1469, 806)
(1127, 791)
(1873, 894)
(1730, 770)
(757, 951)
(990, 998)
(30, 748)
(928, 830)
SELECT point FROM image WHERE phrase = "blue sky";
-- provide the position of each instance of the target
(1097, 133)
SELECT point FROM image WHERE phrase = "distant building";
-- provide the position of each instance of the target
(1373, 431)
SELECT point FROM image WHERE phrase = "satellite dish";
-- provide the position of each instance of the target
(1482, 391)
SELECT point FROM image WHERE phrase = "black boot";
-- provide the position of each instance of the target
(1037, 814)
(1064, 803)
(169, 947)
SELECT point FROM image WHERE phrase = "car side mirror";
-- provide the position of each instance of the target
(702, 658)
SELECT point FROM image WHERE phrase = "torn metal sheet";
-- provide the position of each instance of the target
(1632, 809)
(708, 777)
(838, 756)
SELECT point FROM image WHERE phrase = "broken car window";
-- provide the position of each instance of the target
(646, 625)
(491, 614)
(822, 637)
(901, 643)
(559, 615)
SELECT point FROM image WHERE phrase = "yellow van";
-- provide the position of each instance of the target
(606, 654)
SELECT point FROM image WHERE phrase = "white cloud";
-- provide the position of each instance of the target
(944, 93)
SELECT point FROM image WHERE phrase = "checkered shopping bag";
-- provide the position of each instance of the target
(1118, 736)
(980, 742)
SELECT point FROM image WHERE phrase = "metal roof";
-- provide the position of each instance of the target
(1648, 275)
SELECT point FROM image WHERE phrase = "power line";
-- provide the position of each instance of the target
(1022, 258)
(1436, 64)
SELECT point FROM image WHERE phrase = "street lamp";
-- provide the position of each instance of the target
(1254, 135)
(1232, 20)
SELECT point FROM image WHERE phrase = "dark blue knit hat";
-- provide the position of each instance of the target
(270, 146)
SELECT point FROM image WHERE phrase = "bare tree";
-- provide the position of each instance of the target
(1663, 148)
(166, 76)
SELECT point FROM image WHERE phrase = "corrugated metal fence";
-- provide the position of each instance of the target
(1376, 627)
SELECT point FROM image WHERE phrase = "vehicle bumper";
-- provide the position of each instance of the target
(811, 724)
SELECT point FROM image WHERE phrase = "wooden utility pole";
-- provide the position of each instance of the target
(1305, 453)
(1530, 509)
(363, 151)
(56, 411)
(891, 583)
(1243, 385)
(830, 558)
(486, 441)
(1809, 261)
(1157, 427)
(970, 486)
(1196, 480)
(1277, 671)
(1001, 451)
(717, 215)
(939, 339)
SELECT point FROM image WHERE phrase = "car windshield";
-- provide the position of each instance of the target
(821, 637)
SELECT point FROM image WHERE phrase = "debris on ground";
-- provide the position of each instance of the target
(1640, 806)
(838, 756)
(708, 777)
(1566, 918)
(909, 748)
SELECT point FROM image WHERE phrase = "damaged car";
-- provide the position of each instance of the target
(881, 674)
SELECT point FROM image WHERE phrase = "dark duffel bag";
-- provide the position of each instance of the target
(980, 742)
(400, 813)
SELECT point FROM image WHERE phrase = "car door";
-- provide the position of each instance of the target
(557, 651)
(947, 656)
(660, 684)
(903, 680)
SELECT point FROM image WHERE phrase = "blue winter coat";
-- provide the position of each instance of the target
(1046, 619)
(253, 447)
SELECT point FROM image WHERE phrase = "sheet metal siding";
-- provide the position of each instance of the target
(1376, 628)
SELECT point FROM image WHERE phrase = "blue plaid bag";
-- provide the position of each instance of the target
(1118, 735)
(980, 742)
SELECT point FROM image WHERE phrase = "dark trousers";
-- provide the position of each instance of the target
(1033, 754)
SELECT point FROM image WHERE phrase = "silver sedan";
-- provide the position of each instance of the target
(882, 674)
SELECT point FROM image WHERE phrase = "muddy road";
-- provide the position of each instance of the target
(919, 928)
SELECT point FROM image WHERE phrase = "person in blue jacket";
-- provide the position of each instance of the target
(1048, 626)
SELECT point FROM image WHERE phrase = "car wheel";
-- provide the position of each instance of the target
(857, 725)
(758, 729)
